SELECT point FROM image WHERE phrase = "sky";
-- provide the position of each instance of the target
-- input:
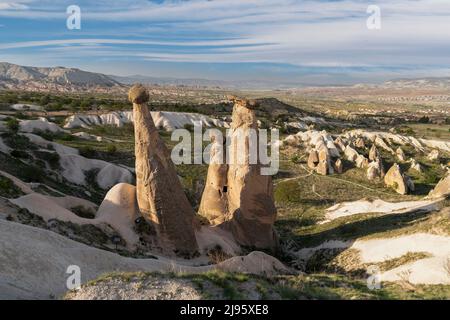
(296, 41)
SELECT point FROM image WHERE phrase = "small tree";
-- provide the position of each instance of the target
(13, 125)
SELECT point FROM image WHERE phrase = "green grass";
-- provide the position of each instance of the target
(226, 285)
(8, 189)
(302, 198)
(431, 131)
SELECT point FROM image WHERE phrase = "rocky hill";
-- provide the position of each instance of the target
(419, 83)
(16, 76)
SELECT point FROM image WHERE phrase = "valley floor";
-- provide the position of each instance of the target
(336, 230)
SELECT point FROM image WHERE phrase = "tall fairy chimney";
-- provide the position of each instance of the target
(160, 195)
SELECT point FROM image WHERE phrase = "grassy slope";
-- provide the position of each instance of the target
(222, 285)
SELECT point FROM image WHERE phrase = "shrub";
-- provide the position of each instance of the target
(295, 159)
(51, 157)
(13, 125)
(424, 119)
(19, 154)
(32, 174)
(8, 189)
(111, 148)
(87, 151)
(18, 142)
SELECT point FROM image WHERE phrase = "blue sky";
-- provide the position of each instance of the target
(298, 41)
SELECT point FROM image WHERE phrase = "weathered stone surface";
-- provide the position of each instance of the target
(373, 153)
(160, 195)
(442, 189)
(340, 143)
(372, 172)
(359, 143)
(138, 94)
(325, 157)
(313, 159)
(351, 154)
(322, 168)
(394, 178)
(415, 165)
(213, 204)
(375, 170)
(361, 161)
(119, 209)
(323, 154)
(382, 144)
(433, 155)
(250, 194)
(400, 154)
(338, 166)
(247, 199)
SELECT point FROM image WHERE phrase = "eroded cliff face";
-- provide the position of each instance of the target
(237, 194)
(160, 195)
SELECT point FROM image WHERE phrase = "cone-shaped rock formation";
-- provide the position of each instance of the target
(238, 190)
(160, 195)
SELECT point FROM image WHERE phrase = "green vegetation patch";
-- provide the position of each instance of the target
(8, 189)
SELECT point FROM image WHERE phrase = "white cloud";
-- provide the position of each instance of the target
(14, 5)
(300, 32)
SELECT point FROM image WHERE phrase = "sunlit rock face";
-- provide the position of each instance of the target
(238, 193)
(160, 195)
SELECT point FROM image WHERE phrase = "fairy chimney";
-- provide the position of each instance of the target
(238, 193)
(160, 196)
(213, 204)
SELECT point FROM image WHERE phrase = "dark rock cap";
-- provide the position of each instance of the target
(138, 94)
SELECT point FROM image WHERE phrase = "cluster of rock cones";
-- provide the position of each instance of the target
(237, 198)
(325, 159)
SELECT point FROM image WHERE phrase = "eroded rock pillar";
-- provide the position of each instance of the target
(160, 195)
(238, 193)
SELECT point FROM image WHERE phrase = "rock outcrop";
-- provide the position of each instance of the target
(313, 159)
(160, 196)
(340, 143)
(416, 165)
(382, 144)
(214, 201)
(375, 170)
(442, 189)
(394, 178)
(119, 209)
(351, 154)
(246, 200)
(359, 143)
(374, 154)
(361, 161)
(433, 155)
(338, 166)
(400, 154)
(324, 167)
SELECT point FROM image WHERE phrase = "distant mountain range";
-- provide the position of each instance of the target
(442, 82)
(197, 82)
(14, 76)
(58, 76)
